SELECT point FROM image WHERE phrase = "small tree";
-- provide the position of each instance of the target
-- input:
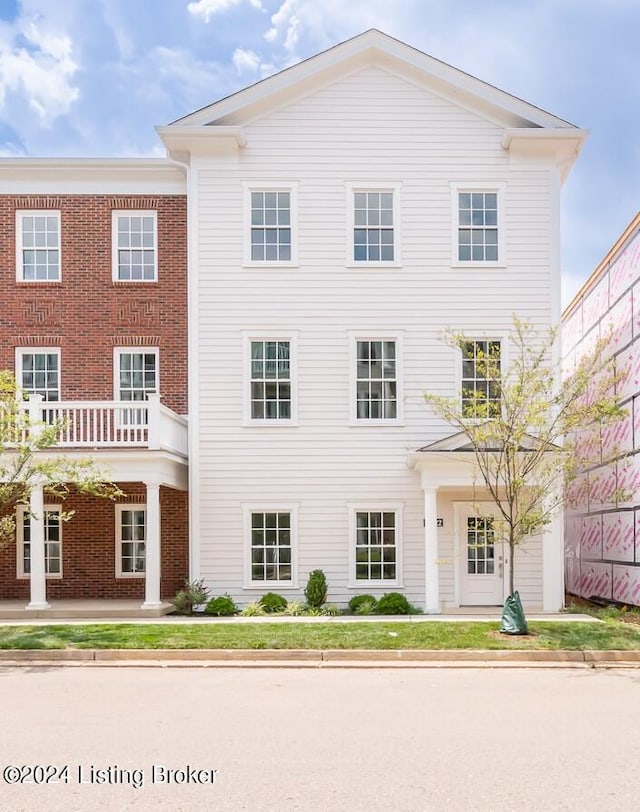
(23, 465)
(522, 423)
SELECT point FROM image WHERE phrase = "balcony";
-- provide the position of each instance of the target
(108, 424)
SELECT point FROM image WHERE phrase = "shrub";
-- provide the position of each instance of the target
(272, 602)
(394, 603)
(193, 594)
(329, 609)
(222, 606)
(253, 609)
(294, 609)
(316, 589)
(362, 604)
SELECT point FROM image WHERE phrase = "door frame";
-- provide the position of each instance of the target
(461, 509)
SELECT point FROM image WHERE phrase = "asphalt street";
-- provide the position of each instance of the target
(268, 739)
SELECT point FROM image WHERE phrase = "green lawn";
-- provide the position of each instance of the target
(610, 635)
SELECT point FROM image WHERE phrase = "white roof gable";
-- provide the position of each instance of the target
(372, 47)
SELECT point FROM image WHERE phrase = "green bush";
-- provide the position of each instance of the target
(221, 607)
(316, 589)
(294, 609)
(272, 603)
(394, 603)
(193, 594)
(362, 604)
(329, 609)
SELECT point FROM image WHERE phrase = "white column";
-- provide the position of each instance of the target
(153, 420)
(431, 573)
(152, 548)
(38, 582)
(553, 564)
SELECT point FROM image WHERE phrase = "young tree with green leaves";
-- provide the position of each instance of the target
(522, 420)
(27, 459)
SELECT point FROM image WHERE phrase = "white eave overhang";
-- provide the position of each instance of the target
(180, 139)
(561, 144)
(91, 176)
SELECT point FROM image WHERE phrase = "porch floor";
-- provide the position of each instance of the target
(80, 608)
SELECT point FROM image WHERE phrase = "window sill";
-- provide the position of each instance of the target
(131, 576)
(274, 264)
(262, 585)
(367, 265)
(472, 264)
(260, 424)
(28, 283)
(134, 282)
(376, 422)
(56, 577)
(375, 584)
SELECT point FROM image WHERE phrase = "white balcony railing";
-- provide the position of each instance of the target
(110, 424)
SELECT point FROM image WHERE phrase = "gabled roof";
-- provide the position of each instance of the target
(460, 442)
(373, 47)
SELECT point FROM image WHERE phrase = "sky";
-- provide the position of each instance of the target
(93, 77)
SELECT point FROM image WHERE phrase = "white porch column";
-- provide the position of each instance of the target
(38, 582)
(152, 548)
(553, 564)
(431, 573)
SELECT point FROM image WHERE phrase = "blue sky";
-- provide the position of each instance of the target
(92, 77)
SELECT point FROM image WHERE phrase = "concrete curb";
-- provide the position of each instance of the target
(316, 658)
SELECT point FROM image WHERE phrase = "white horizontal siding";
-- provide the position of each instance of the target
(371, 127)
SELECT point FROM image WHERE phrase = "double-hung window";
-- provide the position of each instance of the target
(481, 372)
(135, 252)
(271, 546)
(271, 231)
(376, 378)
(52, 542)
(131, 536)
(477, 225)
(38, 246)
(376, 532)
(271, 365)
(38, 371)
(373, 225)
(136, 376)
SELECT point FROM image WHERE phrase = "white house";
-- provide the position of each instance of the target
(341, 214)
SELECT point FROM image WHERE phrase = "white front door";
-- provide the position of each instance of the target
(481, 557)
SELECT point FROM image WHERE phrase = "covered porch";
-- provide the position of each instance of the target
(465, 571)
(144, 450)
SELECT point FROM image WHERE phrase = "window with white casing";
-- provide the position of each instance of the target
(481, 365)
(131, 535)
(271, 237)
(373, 226)
(271, 371)
(52, 542)
(376, 378)
(136, 376)
(271, 546)
(478, 225)
(38, 246)
(376, 544)
(38, 371)
(135, 246)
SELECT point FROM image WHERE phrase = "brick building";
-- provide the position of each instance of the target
(93, 270)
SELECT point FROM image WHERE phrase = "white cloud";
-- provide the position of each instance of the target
(208, 8)
(245, 61)
(42, 68)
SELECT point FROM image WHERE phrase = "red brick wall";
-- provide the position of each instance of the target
(89, 550)
(86, 314)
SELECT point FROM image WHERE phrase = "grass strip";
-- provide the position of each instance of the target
(610, 635)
